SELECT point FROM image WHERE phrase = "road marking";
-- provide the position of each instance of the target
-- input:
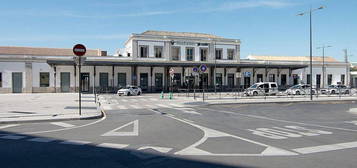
(150, 106)
(121, 107)
(188, 110)
(135, 131)
(153, 99)
(13, 137)
(211, 133)
(325, 148)
(134, 106)
(163, 105)
(62, 129)
(124, 100)
(157, 148)
(41, 140)
(7, 126)
(279, 120)
(351, 122)
(113, 145)
(75, 142)
(176, 105)
(62, 124)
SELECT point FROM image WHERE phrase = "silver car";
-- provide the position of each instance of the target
(129, 91)
(336, 89)
(300, 89)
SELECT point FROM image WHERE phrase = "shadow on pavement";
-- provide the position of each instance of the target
(19, 151)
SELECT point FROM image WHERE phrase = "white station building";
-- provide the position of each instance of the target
(158, 61)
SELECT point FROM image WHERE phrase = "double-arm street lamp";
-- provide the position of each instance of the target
(310, 15)
(323, 63)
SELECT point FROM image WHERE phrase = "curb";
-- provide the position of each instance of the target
(279, 102)
(101, 115)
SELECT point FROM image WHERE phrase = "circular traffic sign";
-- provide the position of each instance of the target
(203, 68)
(79, 50)
(195, 69)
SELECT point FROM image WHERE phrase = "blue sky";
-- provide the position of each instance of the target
(265, 27)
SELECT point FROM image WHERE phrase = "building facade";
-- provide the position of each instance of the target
(156, 61)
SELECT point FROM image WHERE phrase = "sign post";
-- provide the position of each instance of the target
(172, 75)
(79, 50)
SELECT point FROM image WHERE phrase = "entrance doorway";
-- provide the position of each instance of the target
(65, 81)
(230, 80)
(17, 82)
(158, 81)
(318, 80)
(203, 81)
(144, 81)
(246, 82)
(85, 82)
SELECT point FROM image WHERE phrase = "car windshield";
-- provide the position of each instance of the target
(331, 86)
(253, 86)
(295, 87)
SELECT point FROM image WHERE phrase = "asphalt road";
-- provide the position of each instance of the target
(319, 135)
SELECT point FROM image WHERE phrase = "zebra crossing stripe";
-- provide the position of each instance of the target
(112, 145)
(7, 126)
(62, 124)
(164, 106)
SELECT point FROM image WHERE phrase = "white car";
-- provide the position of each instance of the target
(262, 88)
(336, 89)
(129, 90)
(300, 89)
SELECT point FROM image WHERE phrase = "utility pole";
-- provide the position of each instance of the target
(310, 17)
(347, 83)
(323, 64)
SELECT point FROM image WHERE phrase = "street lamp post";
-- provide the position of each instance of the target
(310, 16)
(323, 63)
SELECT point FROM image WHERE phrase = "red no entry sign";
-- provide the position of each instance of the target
(79, 50)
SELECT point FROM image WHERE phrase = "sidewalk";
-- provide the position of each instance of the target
(16, 108)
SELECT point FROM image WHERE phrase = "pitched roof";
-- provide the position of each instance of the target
(291, 58)
(11, 50)
(180, 34)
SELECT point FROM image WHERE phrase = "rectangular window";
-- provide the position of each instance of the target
(343, 79)
(144, 51)
(121, 80)
(271, 77)
(230, 54)
(329, 79)
(0, 79)
(218, 53)
(44, 79)
(283, 79)
(158, 51)
(308, 81)
(318, 80)
(175, 53)
(189, 53)
(203, 53)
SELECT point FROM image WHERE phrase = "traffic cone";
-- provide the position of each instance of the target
(162, 95)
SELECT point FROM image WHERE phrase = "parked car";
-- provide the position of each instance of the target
(262, 88)
(336, 89)
(130, 90)
(300, 89)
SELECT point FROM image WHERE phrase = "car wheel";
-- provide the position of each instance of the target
(255, 93)
(297, 92)
(347, 92)
(333, 92)
(128, 94)
(139, 93)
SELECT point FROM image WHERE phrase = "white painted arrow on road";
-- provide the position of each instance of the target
(157, 148)
(116, 132)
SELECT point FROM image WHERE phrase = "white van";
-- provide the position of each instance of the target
(262, 88)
